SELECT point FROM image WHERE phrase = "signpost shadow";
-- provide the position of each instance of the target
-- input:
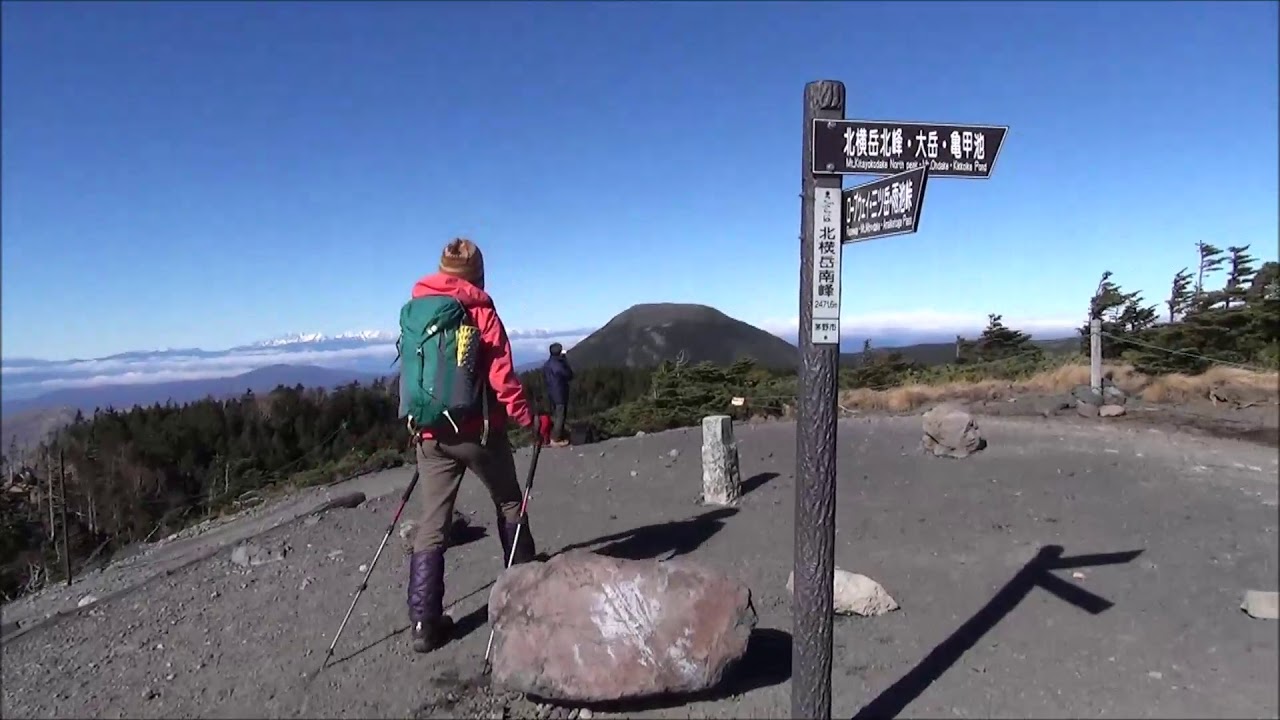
(1035, 574)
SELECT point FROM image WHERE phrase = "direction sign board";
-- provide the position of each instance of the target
(884, 207)
(875, 147)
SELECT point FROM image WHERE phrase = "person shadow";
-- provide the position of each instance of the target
(659, 541)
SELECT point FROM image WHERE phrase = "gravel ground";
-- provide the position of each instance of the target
(212, 639)
(139, 565)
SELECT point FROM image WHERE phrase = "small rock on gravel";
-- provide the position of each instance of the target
(250, 554)
(1113, 395)
(449, 697)
(950, 431)
(1086, 410)
(86, 600)
(1107, 411)
(855, 594)
(347, 501)
(1262, 605)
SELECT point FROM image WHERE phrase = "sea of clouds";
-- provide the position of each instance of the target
(912, 327)
(374, 352)
(370, 352)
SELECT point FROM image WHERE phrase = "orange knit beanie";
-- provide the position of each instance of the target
(461, 258)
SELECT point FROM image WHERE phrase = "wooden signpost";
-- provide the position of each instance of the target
(909, 153)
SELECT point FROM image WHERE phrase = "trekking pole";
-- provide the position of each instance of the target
(515, 537)
(365, 583)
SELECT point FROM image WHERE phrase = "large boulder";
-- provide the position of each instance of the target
(950, 431)
(589, 628)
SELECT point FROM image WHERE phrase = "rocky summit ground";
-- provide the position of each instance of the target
(1175, 528)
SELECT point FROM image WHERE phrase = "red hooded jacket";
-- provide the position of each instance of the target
(496, 356)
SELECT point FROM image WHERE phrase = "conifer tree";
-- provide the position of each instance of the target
(1179, 295)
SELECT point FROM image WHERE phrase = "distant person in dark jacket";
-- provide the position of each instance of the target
(557, 374)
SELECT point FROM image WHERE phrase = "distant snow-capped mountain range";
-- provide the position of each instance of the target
(364, 336)
(362, 352)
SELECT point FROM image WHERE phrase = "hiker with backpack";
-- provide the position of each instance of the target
(557, 375)
(458, 390)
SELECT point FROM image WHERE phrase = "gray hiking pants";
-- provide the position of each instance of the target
(441, 466)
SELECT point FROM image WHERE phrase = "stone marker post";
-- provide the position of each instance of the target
(721, 482)
(1095, 355)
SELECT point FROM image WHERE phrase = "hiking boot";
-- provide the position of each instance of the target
(429, 635)
(429, 625)
(525, 550)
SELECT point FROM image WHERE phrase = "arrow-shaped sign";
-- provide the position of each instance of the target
(884, 207)
(884, 147)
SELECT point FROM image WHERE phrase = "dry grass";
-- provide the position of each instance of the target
(1218, 384)
(1232, 385)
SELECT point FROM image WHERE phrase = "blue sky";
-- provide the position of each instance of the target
(207, 175)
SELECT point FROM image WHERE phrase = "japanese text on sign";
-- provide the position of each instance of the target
(826, 265)
(825, 332)
(888, 206)
(862, 142)
(896, 198)
(880, 147)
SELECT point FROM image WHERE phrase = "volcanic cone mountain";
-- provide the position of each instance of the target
(645, 335)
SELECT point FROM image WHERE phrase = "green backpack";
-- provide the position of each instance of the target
(438, 350)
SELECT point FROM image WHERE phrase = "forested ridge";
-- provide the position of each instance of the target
(138, 474)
